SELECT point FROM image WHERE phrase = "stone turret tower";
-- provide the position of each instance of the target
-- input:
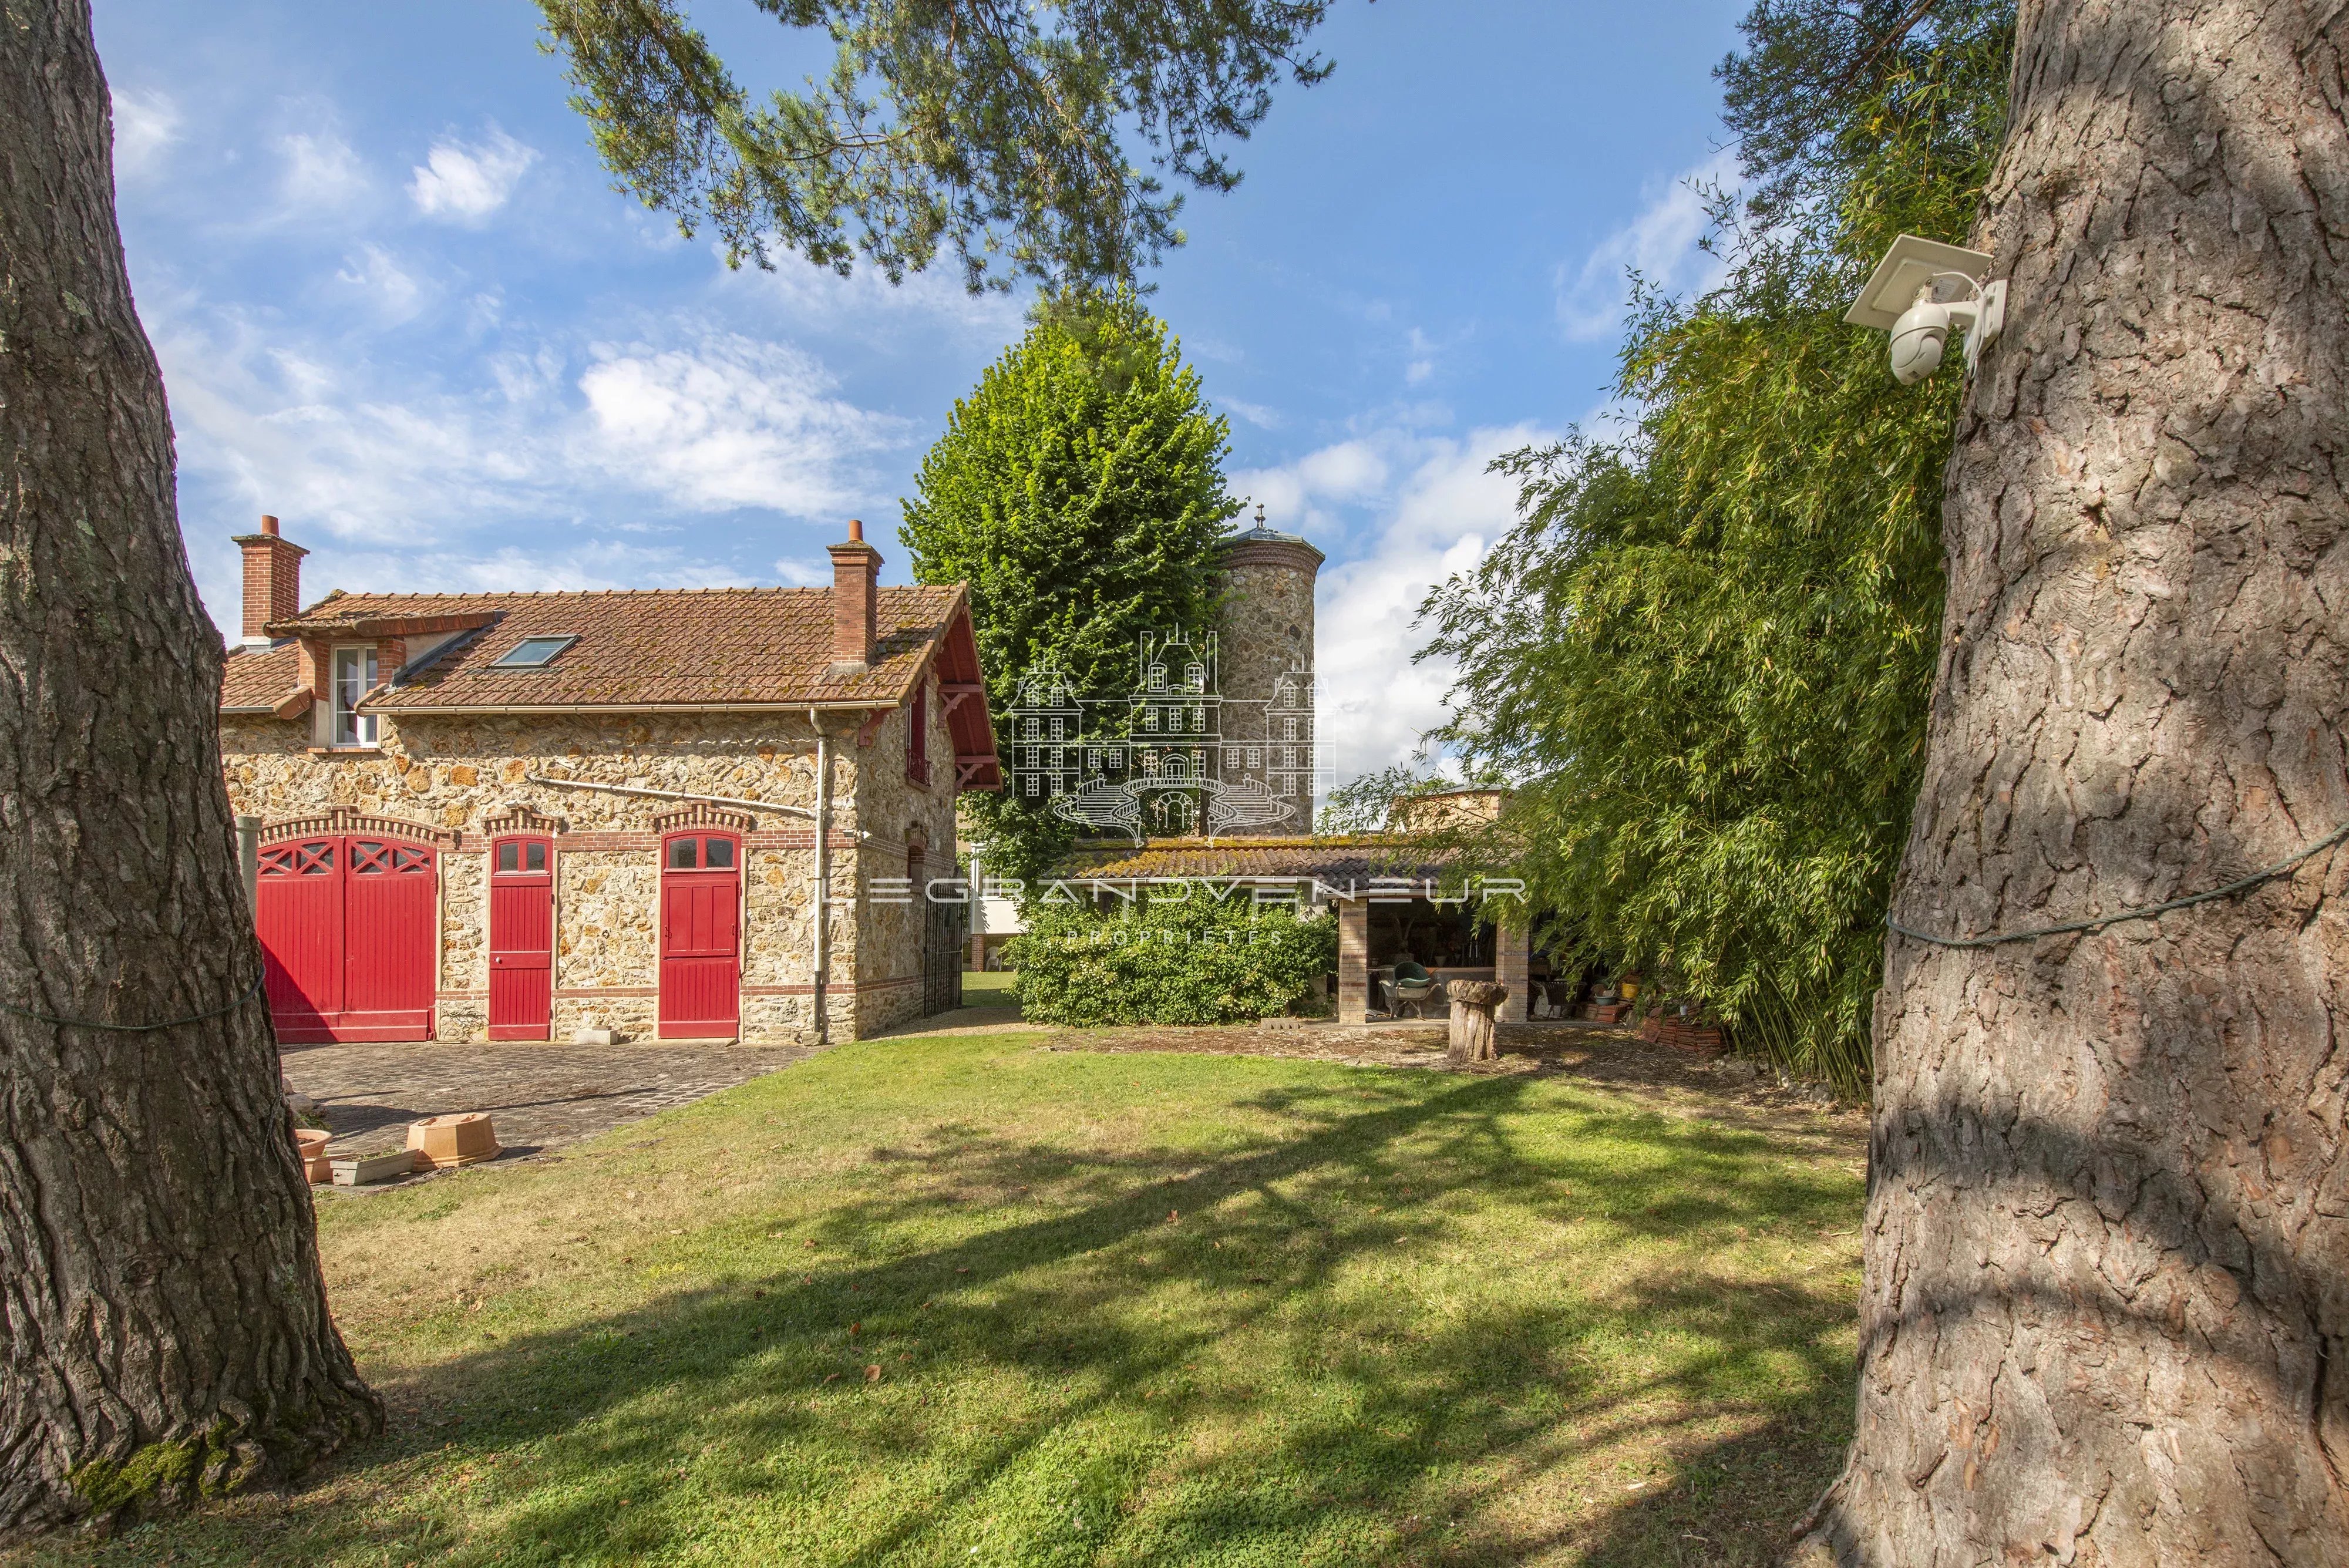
(1263, 642)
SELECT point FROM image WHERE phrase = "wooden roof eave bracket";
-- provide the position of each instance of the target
(293, 704)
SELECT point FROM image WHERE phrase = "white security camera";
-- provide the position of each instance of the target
(1918, 339)
(1909, 280)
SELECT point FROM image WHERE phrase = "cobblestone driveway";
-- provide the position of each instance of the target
(538, 1096)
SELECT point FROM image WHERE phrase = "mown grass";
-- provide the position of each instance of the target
(990, 988)
(977, 1302)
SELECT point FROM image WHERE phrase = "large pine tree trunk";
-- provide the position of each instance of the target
(2106, 1312)
(166, 1326)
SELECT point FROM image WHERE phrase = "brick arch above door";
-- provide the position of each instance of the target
(701, 817)
(347, 820)
(520, 818)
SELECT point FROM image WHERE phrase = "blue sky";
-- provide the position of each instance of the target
(399, 305)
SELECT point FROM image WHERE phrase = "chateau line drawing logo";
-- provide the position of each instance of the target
(1177, 754)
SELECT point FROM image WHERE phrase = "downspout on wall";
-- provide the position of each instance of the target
(820, 912)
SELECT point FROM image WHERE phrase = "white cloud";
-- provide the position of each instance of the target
(1425, 508)
(146, 124)
(1660, 244)
(466, 182)
(1422, 359)
(554, 466)
(590, 564)
(802, 573)
(388, 288)
(732, 422)
(1256, 414)
(321, 170)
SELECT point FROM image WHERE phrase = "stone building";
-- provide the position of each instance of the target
(1264, 646)
(521, 815)
(1217, 732)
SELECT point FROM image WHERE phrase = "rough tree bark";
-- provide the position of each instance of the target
(2106, 1310)
(165, 1320)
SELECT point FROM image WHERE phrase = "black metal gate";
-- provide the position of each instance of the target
(945, 935)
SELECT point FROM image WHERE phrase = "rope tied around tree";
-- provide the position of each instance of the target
(138, 1028)
(2240, 885)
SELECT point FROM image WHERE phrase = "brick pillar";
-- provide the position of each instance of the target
(272, 579)
(1512, 966)
(1353, 961)
(855, 567)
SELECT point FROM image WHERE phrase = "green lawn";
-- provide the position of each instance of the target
(977, 1302)
(990, 988)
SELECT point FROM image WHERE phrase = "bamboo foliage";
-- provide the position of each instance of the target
(1706, 650)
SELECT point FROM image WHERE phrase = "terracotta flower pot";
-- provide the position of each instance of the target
(464, 1137)
(312, 1143)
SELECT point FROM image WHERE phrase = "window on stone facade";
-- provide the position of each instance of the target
(355, 676)
(1256, 756)
(917, 737)
(1150, 718)
(1289, 729)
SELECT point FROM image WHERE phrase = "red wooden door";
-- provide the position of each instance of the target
(349, 931)
(522, 939)
(299, 911)
(390, 940)
(700, 960)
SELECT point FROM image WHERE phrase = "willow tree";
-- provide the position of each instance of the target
(1704, 650)
(2107, 1306)
(167, 1331)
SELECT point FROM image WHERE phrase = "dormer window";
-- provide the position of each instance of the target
(1194, 677)
(532, 653)
(355, 676)
(1158, 678)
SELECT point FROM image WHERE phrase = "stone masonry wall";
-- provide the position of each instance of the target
(1266, 626)
(901, 815)
(456, 773)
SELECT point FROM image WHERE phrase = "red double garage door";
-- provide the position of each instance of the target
(349, 929)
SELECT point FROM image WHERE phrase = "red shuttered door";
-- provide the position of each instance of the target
(700, 962)
(522, 939)
(389, 891)
(348, 928)
(300, 913)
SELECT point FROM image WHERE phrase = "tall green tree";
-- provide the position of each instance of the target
(2104, 1316)
(163, 1323)
(1079, 489)
(1003, 129)
(167, 1327)
(1705, 648)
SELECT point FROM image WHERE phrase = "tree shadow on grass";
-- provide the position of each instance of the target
(1041, 1394)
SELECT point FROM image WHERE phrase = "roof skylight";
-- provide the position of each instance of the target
(532, 653)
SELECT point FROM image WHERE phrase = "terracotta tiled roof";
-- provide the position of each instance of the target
(254, 680)
(655, 648)
(1331, 859)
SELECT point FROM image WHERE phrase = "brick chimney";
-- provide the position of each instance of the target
(272, 580)
(856, 566)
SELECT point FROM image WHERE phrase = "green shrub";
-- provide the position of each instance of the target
(1163, 959)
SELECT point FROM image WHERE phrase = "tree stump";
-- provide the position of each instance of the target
(1474, 1002)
